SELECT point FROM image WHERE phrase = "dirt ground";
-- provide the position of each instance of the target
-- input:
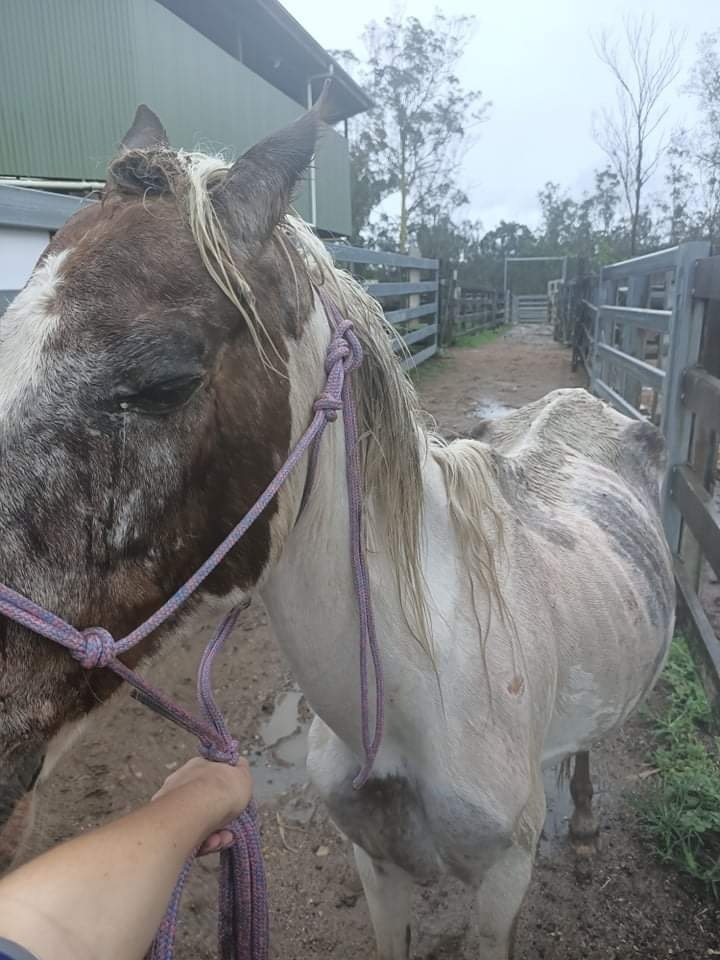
(628, 908)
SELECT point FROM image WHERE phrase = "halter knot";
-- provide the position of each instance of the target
(328, 405)
(229, 752)
(98, 648)
(337, 352)
(344, 348)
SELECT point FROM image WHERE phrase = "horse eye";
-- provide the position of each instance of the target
(158, 398)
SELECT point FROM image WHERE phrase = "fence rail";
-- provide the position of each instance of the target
(648, 332)
(411, 304)
(407, 286)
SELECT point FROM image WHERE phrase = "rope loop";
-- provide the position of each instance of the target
(356, 350)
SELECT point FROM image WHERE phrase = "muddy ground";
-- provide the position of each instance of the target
(628, 908)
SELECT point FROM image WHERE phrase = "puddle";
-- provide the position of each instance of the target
(559, 810)
(284, 722)
(280, 762)
(492, 410)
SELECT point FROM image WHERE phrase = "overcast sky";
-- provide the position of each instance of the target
(534, 60)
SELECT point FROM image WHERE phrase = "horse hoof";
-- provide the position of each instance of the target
(585, 839)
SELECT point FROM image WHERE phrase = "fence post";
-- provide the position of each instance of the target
(414, 276)
(704, 445)
(686, 326)
(598, 327)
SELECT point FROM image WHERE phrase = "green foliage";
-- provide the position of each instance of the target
(680, 813)
(406, 157)
(410, 145)
(693, 176)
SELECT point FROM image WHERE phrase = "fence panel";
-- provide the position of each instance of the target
(663, 364)
(474, 309)
(530, 308)
(693, 513)
(409, 291)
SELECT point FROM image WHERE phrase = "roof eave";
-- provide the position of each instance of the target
(325, 61)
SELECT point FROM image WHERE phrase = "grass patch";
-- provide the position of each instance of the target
(680, 812)
(427, 371)
(481, 338)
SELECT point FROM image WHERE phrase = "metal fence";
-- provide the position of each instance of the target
(408, 288)
(650, 337)
(563, 299)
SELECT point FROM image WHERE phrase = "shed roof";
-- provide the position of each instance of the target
(271, 43)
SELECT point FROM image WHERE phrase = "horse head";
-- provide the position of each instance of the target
(144, 406)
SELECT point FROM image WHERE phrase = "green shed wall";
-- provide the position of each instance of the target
(72, 73)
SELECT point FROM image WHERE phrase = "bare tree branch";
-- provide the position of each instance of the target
(643, 67)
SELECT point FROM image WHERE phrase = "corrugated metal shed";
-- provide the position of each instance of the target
(72, 73)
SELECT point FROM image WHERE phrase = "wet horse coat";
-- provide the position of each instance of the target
(569, 502)
(155, 372)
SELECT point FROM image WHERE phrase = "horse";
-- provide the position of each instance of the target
(156, 369)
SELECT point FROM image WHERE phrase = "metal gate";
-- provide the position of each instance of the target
(531, 308)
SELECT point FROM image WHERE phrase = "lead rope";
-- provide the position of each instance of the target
(243, 926)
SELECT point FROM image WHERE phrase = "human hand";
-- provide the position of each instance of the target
(221, 792)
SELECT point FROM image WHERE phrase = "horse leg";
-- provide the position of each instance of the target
(503, 887)
(388, 890)
(500, 897)
(583, 825)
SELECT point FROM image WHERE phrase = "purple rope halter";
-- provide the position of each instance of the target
(243, 911)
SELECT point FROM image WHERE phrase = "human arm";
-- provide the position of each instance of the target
(103, 894)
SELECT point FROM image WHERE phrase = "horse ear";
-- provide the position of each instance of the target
(258, 187)
(143, 166)
(146, 132)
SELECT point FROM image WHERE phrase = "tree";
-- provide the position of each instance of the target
(508, 239)
(703, 146)
(560, 215)
(643, 69)
(408, 148)
(679, 196)
(587, 227)
(446, 240)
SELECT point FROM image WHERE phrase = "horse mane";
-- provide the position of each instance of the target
(395, 440)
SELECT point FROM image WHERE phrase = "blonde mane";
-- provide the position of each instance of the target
(395, 439)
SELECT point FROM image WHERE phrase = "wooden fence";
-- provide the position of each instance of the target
(408, 288)
(472, 309)
(649, 335)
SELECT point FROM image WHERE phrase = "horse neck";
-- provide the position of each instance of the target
(310, 595)
(309, 591)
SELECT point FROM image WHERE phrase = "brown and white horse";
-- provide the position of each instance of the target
(154, 373)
